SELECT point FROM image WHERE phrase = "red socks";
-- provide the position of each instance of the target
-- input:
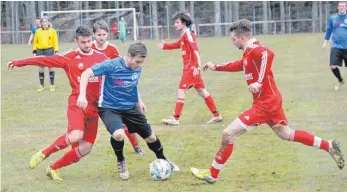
(132, 137)
(72, 156)
(210, 104)
(309, 139)
(61, 143)
(178, 108)
(220, 159)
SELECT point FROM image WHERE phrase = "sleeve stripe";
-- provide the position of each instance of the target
(263, 66)
(198, 57)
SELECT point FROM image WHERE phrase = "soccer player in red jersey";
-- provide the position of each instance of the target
(267, 103)
(191, 77)
(100, 30)
(82, 124)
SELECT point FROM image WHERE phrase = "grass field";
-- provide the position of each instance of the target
(260, 162)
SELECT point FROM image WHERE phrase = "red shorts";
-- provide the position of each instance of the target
(86, 121)
(188, 81)
(257, 115)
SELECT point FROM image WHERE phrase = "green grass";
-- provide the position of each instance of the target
(260, 162)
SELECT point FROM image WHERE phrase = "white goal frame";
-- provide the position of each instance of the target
(135, 30)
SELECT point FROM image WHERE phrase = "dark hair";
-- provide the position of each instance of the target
(100, 25)
(184, 18)
(241, 27)
(137, 49)
(83, 31)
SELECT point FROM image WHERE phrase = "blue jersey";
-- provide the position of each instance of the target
(337, 26)
(119, 84)
(34, 29)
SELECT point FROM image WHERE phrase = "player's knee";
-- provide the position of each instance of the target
(152, 138)
(76, 136)
(203, 93)
(228, 137)
(118, 135)
(333, 66)
(283, 132)
(85, 149)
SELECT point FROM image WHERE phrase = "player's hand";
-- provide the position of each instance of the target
(29, 43)
(324, 44)
(209, 65)
(255, 87)
(161, 45)
(10, 65)
(82, 102)
(34, 54)
(142, 107)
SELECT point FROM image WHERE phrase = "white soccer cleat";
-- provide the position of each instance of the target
(171, 121)
(215, 119)
(174, 167)
(338, 85)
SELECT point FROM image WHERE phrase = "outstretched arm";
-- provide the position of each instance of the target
(58, 61)
(228, 66)
(169, 46)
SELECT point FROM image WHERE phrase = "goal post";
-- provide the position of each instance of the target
(66, 22)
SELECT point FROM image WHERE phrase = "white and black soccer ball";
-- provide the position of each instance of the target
(160, 169)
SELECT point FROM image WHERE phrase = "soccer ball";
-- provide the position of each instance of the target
(160, 169)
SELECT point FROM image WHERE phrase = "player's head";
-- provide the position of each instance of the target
(137, 53)
(342, 7)
(182, 21)
(44, 23)
(241, 32)
(83, 38)
(38, 21)
(122, 18)
(100, 30)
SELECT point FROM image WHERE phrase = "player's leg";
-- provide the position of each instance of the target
(336, 57)
(113, 123)
(137, 122)
(174, 120)
(134, 141)
(50, 52)
(74, 134)
(41, 72)
(216, 116)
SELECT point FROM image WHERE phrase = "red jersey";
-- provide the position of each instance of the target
(190, 51)
(74, 62)
(110, 51)
(256, 63)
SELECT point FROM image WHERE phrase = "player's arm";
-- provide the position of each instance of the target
(141, 105)
(194, 47)
(58, 61)
(328, 32)
(35, 42)
(227, 66)
(31, 38)
(104, 68)
(169, 46)
(55, 41)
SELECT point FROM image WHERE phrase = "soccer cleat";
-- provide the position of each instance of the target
(338, 85)
(171, 121)
(41, 88)
(123, 171)
(139, 151)
(52, 88)
(215, 119)
(53, 174)
(336, 153)
(203, 174)
(36, 159)
(174, 167)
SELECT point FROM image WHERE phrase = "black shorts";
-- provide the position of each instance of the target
(46, 52)
(337, 56)
(132, 118)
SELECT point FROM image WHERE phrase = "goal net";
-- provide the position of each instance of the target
(66, 22)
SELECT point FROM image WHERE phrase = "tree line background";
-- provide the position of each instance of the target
(291, 17)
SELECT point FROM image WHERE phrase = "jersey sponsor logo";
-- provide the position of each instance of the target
(80, 65)
(91, 79)
(249, 76)
(119, 82)
(135, 76)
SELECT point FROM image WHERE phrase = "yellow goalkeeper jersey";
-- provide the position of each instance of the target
(45, 39)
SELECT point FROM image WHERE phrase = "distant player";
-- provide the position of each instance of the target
(101, 44)
(120, 102)
(82, 125)
(191, 77)
(337, 27)
(123, 30)
(256, 63)
(45, 43)
(34, 28)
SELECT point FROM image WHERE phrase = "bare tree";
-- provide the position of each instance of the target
(314, 16)
(226, 16)
(191, 7)
(235, 10)
(98, 5)
(320, 17)
(217, 28)
(265, 18)
(182, 6)
(141, 22)
(282, 17)
(155, 20)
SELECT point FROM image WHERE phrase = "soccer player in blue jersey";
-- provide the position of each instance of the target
(337, 28)
(120, 102)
